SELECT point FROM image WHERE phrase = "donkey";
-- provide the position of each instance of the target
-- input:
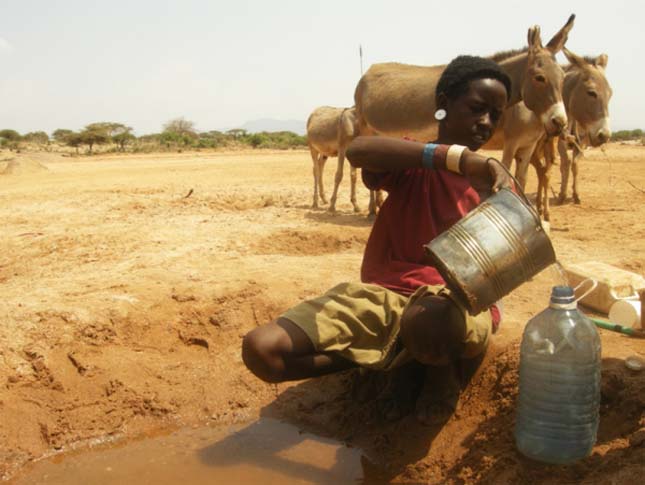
(395, 99)
(586, 94)
(329, 131)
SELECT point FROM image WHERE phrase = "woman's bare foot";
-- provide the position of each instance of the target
(402, 388)
(367, 384)
(439, 395)
(394, 392)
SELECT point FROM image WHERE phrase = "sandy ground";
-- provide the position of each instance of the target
(123, 303)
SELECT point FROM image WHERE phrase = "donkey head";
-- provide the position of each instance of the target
(588, 97)
(542, 84)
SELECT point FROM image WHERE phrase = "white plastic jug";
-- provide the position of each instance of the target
(626, 313)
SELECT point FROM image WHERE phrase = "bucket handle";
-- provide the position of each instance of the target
(518, 187)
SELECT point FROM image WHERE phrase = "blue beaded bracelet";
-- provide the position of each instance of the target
(428, 156)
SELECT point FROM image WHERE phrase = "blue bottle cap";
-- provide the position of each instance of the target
(562, 295)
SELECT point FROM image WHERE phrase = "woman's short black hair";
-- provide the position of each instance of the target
(463, 69)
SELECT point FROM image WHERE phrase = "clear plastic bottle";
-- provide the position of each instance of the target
(559, 396)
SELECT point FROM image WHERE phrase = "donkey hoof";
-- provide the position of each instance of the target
(576, 199)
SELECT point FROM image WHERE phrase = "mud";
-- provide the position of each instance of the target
(124, 302)
(264, 451)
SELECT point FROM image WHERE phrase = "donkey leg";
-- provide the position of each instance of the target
(522, 160)
(338, 178)
(539, 171)
(379, 199)
(565, 164)
(549, 160)
(371, 212)
(538, 197)
(353, 176)
(546, 186)
(321, 170)
(314, 158)
(574, 172)
(508, 154)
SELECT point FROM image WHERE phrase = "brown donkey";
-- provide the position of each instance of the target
(329, 131)
(586, 95)
(395, 99)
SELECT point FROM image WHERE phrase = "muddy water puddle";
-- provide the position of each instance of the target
(264, 452)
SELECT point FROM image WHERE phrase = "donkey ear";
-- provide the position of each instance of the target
(601, 61)
(556, 44)
(534, 40)
(574, 59)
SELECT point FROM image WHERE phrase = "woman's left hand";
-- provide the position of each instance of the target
(486, 174)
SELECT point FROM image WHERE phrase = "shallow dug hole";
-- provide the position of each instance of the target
(266, 451)
(312, 243)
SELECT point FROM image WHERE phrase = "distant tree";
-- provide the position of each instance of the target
(236, 133)
(110, 128)
(121, 135)
(211, 139)
(61, 135)
(123, 139)
(74, 139)
(180, 126)
(10, 135)
(9, 139)
(622, 135)
(179, 132)
(150, 138)
(169, 138)
(94, 134)
(278, 139)
(39, 137)
(257, 139)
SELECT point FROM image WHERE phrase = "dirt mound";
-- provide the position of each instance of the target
(235, 202)
(297, 243)
(476, 445)
(23, 167)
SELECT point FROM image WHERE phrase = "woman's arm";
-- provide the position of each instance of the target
(381, 154)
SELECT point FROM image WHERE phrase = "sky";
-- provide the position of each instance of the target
(68, 63)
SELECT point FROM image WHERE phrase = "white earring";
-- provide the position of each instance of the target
(440, 114)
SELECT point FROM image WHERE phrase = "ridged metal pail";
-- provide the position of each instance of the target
(491, 251)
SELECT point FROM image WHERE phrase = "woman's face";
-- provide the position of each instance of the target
(472, 117)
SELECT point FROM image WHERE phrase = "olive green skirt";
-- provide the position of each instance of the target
(361, 323)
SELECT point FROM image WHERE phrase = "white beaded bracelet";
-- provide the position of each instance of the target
(453, 156)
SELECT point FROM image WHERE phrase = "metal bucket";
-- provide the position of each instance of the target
(491, 251)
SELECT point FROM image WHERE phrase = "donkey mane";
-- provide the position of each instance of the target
(503, 55)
